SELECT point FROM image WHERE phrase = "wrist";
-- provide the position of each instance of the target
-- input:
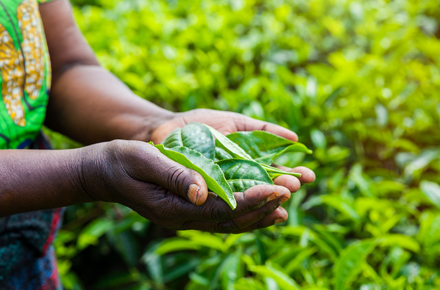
(91, 172)
(150, 122)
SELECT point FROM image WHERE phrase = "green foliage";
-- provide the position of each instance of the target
(350, 262)
(358, 81)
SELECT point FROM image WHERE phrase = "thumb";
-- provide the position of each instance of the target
(184, 181)
(176, 178)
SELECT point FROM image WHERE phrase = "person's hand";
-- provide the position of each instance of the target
(229, 122)
(137, 175)
(222, 121)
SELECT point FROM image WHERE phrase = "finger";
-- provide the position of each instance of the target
(244, 123)
(307, 175)
(290, 182)
(216, 210)
(154, 167)
(278, 216)
(240, 222)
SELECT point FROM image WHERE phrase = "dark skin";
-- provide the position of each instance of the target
(90, 105)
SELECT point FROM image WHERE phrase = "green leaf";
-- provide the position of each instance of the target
(222, 154)
(318, 138)
(349, 263)
(93, 231)
(153, 263)
(382, 115)
(401, 241)
(264, 147)
(432, 191)
(126, 244)
(275, 172)
(243, 174)
(326, 234)
(198, 279)
(180, 270)
(417, 163)
(295, 263)
(249, 283)
(336, 202)
(175, 244)
(194, 136)
(210, 171)
(429, 233)
(230, 270)
(305, 234)
(228, 145)
(282, 279)
(296, 214)
(204, 239)
(271, 284)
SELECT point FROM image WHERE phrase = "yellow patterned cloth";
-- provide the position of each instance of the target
(24, 73)
(27, 257)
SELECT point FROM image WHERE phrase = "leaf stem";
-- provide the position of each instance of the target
(278, 172)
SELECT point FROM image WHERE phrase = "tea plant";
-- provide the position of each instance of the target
(358, 81)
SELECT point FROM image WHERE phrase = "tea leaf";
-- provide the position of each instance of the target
(432, 191)
(264, 147)
(210, 171)
(243, 174)
(193, 136)
(228, 145)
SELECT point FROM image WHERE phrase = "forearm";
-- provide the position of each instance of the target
(40, 179)
(86, 102)
(91, 105)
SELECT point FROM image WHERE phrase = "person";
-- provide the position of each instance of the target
(90, 105)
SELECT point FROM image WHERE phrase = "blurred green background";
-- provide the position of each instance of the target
(359, 81)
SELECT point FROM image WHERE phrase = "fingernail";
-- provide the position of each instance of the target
(278, 221)
(284, 199)
(193, 193)
(272, 197)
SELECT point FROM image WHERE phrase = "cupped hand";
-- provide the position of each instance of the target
(229, 122)
(137, 175)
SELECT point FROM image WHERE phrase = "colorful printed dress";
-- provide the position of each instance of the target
(27, 258)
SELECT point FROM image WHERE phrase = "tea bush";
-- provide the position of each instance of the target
(359, 81)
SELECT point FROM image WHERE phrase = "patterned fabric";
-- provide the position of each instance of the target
(27, 259)
(24, 73)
